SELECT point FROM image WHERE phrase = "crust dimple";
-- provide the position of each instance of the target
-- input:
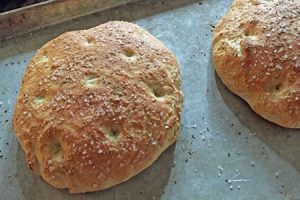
(256, 51)
(98, 106)
(129, 55)
(55, 150)
(128, 52)
(38, 101)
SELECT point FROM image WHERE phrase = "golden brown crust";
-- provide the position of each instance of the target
(256, 53)
(98, 106)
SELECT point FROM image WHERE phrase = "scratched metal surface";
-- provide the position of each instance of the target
(225, 151)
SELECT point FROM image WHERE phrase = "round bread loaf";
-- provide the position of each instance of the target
(256, 53)
(98, 106)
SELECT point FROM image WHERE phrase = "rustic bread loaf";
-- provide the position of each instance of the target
(256, 53)
(98, 106)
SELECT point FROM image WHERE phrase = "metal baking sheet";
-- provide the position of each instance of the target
(225, 151)
(50, 12)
